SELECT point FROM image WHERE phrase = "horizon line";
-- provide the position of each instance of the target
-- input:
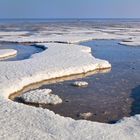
(64, 18)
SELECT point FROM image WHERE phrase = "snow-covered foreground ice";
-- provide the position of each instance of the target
(5, 53)
(18, 121)
(25, 122)
(43, 96)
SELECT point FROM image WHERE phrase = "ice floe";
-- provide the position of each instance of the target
(131, 42)
(42, 96)
(4, 53)
(80, 83)
(86, 115)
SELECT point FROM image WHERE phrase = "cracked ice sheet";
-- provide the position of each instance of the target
(73, 34)
(67, 38)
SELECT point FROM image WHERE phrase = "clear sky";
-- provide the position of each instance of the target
(69, 8)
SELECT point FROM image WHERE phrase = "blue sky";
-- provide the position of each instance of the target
(69, 8)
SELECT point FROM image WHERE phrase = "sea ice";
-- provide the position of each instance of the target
(42, 96)
(80, 83)
(85, 116)
(4, 53)
(132, 41)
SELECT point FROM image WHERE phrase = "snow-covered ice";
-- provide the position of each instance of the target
(80, 83)
(4, 53)
(13, 33)
(18, 121)
(42, 96)
(64, 38)
(131, 42)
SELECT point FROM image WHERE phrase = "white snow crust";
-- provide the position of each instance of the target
(13, 33)
(131, 42)
(22, 122)
(80, 83)
(4, 53)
